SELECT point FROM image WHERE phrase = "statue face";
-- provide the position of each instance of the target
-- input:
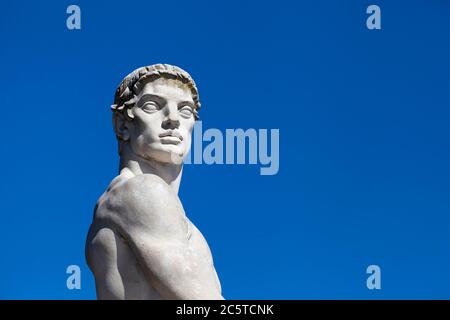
(163, 121)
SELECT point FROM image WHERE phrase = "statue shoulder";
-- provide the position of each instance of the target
(144, 202)
(146, 189)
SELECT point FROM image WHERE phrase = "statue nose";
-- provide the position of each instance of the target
(172, 124)
(172, 120)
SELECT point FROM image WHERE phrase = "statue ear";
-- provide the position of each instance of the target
(120, 126)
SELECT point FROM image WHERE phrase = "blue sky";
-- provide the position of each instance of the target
(364, 140)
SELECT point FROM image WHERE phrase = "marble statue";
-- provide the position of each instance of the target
(141, 244)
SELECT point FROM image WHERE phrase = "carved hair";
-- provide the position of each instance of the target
(132, 84)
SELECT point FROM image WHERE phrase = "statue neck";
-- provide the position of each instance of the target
(132, 163)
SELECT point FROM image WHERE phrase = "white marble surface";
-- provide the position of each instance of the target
(141, 244)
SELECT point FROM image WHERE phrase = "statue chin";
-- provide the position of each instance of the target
(169, 158)
(176, 158)
(165, 156)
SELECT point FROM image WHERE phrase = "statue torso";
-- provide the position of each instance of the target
(135, 283)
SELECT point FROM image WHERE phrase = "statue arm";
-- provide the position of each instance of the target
(173, 269)
(101, 256)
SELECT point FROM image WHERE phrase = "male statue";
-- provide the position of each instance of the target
(141, 245)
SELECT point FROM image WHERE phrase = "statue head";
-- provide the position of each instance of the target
(154, 111)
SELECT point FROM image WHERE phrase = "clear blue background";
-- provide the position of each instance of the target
(364, 140)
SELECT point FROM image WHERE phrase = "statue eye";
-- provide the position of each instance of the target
(186, 111)
(150, 107)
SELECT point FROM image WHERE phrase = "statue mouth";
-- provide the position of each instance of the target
(171, 137)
